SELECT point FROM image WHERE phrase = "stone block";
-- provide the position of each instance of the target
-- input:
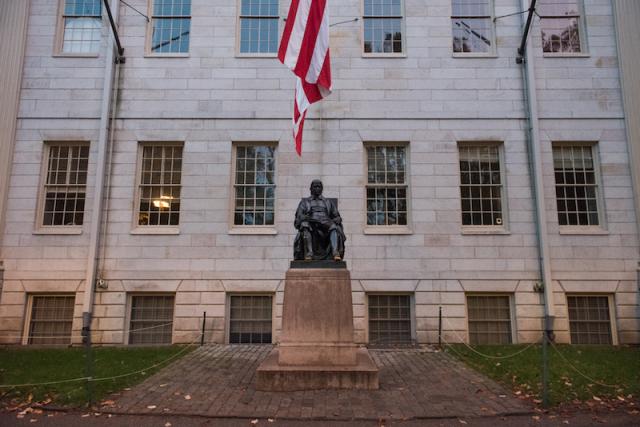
(389, 285)
(489, 285)
(250, 285)
(151, 285)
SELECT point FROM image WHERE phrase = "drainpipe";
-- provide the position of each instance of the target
(535, 166)
(111, 73)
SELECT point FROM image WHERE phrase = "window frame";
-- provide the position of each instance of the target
(601, 228)
(39, 228)
(487, 229)
(148, 51)
(58, 50)
(136, 228)
(387, 229)
(129, 308)
(412, 315)
(29, 312)
(493, 51)
(239, 17)
(612, 313)
(512, 312)
(403, 28)
(251, 229)
(582, 31)
(227, 328)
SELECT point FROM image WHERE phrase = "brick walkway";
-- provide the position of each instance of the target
(218, 381)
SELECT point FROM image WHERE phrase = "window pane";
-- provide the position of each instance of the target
(81, 35)
(470, 8)
(171, 35)
(160, 188)
(472, 34)
(254, 185)
(481, 187)
(389, 319)
(387, 200)
(64, 192)
(151, 319)
(560, 35)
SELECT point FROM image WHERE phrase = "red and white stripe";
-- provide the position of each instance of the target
(304, 48)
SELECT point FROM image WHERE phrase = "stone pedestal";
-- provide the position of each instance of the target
(316, 345)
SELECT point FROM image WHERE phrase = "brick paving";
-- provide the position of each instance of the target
(219, 381)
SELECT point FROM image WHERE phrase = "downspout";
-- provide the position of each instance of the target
(535, 171)
(111, 74)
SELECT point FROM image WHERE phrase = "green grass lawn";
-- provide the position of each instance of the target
(28, 365)
(615, 366)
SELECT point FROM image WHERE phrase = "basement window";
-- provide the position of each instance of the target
(589, 319)
(489, 319)
(250, 319)
(151, 319)
(51, 317)
(390, 319)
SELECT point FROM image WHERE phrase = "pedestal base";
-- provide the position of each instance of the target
(271, 376)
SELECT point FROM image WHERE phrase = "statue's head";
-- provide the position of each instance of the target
(316, 187)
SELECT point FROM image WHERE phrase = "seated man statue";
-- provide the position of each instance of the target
(320, 235)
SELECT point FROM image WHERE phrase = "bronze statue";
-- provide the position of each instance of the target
(320, 234)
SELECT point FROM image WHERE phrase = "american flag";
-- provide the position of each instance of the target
(304, 48)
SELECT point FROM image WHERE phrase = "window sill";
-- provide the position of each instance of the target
(151, 230)
(58, 230)
(166, 55)
(387, 229)
(583, 231)
(75, 55)
(474, 55)
(484, 230)
(565, 55)
(384, 55)
(264, 231)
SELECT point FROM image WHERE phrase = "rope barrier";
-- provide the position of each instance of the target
(579, 371)
(105, 378)
(96, 332)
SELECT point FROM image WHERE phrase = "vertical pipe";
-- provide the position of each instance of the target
(535, 167)
(110, 73)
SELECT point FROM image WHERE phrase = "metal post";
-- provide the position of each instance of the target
(204, 321)
(88, 355)
(546, 336)
(440, 327)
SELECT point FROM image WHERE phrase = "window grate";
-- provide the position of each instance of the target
(250, 319)
(386, 185)
(171, 26)
(472, 26)
(489, 319)
(390, 319)
(576, 185)
(480, 185)
(151, 319)
(82, 26)
(160, 187)
(65, 183)
(51, 319)
(383, 26)
(255, 185)
(560, 26)
(259, 26)
(589, 319)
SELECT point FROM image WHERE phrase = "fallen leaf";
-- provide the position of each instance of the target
(536, 417)
(254, 422)
(498, 364)
(565, 422)
(462, 421)
(270, 420)
(502, 396)
(621, 399)
(108, 403)
(187, 397)
(33, 420)
(151, 407)
(38, 411)
(19, 416)
(163, 385)
(85, 415)
(597, 398)
(167, 424)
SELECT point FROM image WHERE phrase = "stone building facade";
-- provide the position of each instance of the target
(424, 140)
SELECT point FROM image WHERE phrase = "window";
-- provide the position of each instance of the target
(472, 24)
(589, 319)
(390, 319)
(481, 189)
(259, 26)
(577, 193)
(489, 319)
(255, 185)
(151, 319)
(51, 319)
(81, 23)
(387, 185)
(560, 24)
(250, 319)
(65, 183)
(383, 26)
(170, 26)
(159, 188)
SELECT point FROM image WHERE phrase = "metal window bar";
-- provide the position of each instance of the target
(489, 319)
(481, 185)
(250, 319)
(389, 319)
(160, 185)
(51, 319)
(576, 185)
(64, 187)
(386, 185)
(589, 319)
(151, 320)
